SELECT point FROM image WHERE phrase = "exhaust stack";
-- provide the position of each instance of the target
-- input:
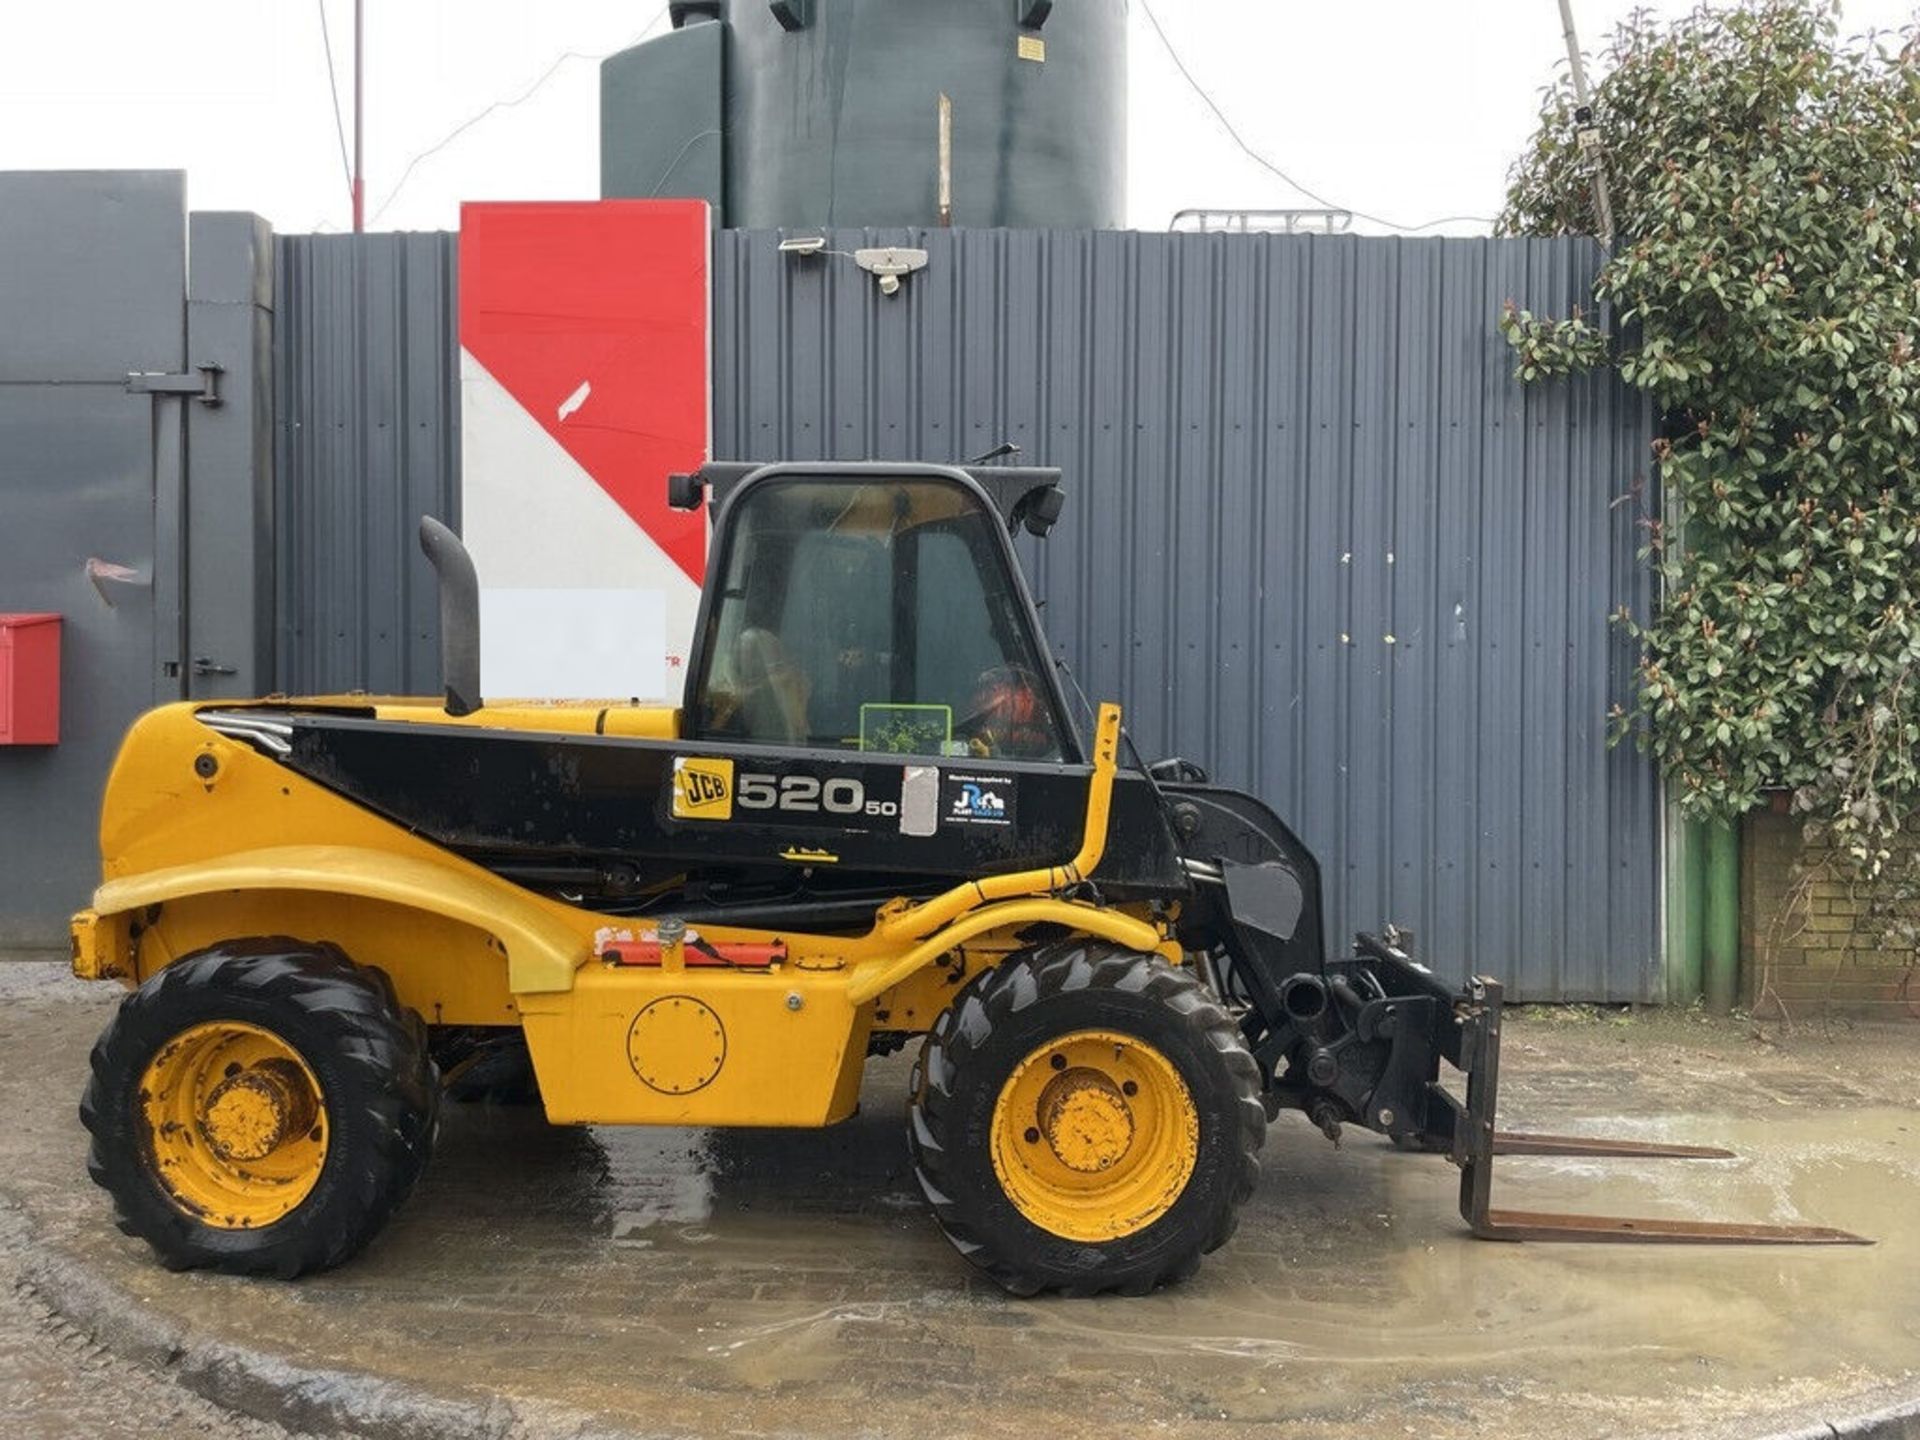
(459, 615)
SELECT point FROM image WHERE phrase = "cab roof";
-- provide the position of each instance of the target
(1025, 495)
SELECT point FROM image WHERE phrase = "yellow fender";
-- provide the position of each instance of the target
(875, 977)
(543, 949)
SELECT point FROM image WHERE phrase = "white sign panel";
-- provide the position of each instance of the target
(543, 644)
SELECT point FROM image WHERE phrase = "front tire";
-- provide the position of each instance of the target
(261, 1107)
(1086, 1118)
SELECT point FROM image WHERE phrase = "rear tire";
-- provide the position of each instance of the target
(1147, 1154)
(271, 1185)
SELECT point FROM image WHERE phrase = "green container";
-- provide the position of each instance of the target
(806, 114)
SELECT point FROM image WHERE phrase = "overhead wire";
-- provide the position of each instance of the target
(1264, 163)
(333, 94)
(499, 105)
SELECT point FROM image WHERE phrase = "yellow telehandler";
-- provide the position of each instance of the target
(872, 822)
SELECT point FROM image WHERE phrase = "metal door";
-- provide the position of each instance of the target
(92, 289)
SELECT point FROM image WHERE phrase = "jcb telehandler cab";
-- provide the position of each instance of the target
(873, 821)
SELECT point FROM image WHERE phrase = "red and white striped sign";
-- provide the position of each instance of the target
(585, 382)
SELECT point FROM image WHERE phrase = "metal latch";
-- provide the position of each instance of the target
(203, 384)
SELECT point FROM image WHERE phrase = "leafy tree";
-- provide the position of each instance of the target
(1764, 290)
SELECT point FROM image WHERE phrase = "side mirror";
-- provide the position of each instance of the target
(1042, 508)
(685, 492)
(1036, 510)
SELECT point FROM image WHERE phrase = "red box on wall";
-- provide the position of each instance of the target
(29, 679)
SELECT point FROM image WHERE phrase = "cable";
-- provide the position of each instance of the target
(333, 94)
(520, 99)
(667, 174)
(1268, 165)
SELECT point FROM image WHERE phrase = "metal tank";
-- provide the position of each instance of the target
(815, 113)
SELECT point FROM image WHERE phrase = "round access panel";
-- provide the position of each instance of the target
(676, 1045)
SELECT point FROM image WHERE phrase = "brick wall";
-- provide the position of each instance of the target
(1815, 934)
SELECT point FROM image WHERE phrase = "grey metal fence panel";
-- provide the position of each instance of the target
(1318, 538)
(367, 441)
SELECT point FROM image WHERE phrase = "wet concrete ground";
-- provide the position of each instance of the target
(56, 1383)
(767, 1283)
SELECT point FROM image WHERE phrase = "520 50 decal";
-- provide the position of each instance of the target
(809, 795)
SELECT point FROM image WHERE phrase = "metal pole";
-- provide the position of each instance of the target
(1722, 947)
(1584, 129)
(946, 161)
(359, 180)
(1687, 947)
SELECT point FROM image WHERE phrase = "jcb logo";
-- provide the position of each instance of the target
(702, 788)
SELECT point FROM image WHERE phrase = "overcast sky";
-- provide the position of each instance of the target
(1408, 109)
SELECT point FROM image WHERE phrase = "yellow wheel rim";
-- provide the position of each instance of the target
(236, 1124)
(1095, 1136)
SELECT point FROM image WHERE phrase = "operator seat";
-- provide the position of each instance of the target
(773, 690)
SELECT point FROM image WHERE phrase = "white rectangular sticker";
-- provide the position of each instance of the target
(540, 644)
(919, 800)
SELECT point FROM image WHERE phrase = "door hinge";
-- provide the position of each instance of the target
(203, 384)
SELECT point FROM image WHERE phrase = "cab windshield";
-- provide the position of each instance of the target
(872, 616)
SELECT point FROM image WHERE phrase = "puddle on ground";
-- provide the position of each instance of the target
(803, 1261)
(664, 1182)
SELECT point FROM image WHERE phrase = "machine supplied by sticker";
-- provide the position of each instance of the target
(974, 799)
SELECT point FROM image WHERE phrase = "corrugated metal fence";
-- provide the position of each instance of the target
(1317, 536)
(367, 440)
